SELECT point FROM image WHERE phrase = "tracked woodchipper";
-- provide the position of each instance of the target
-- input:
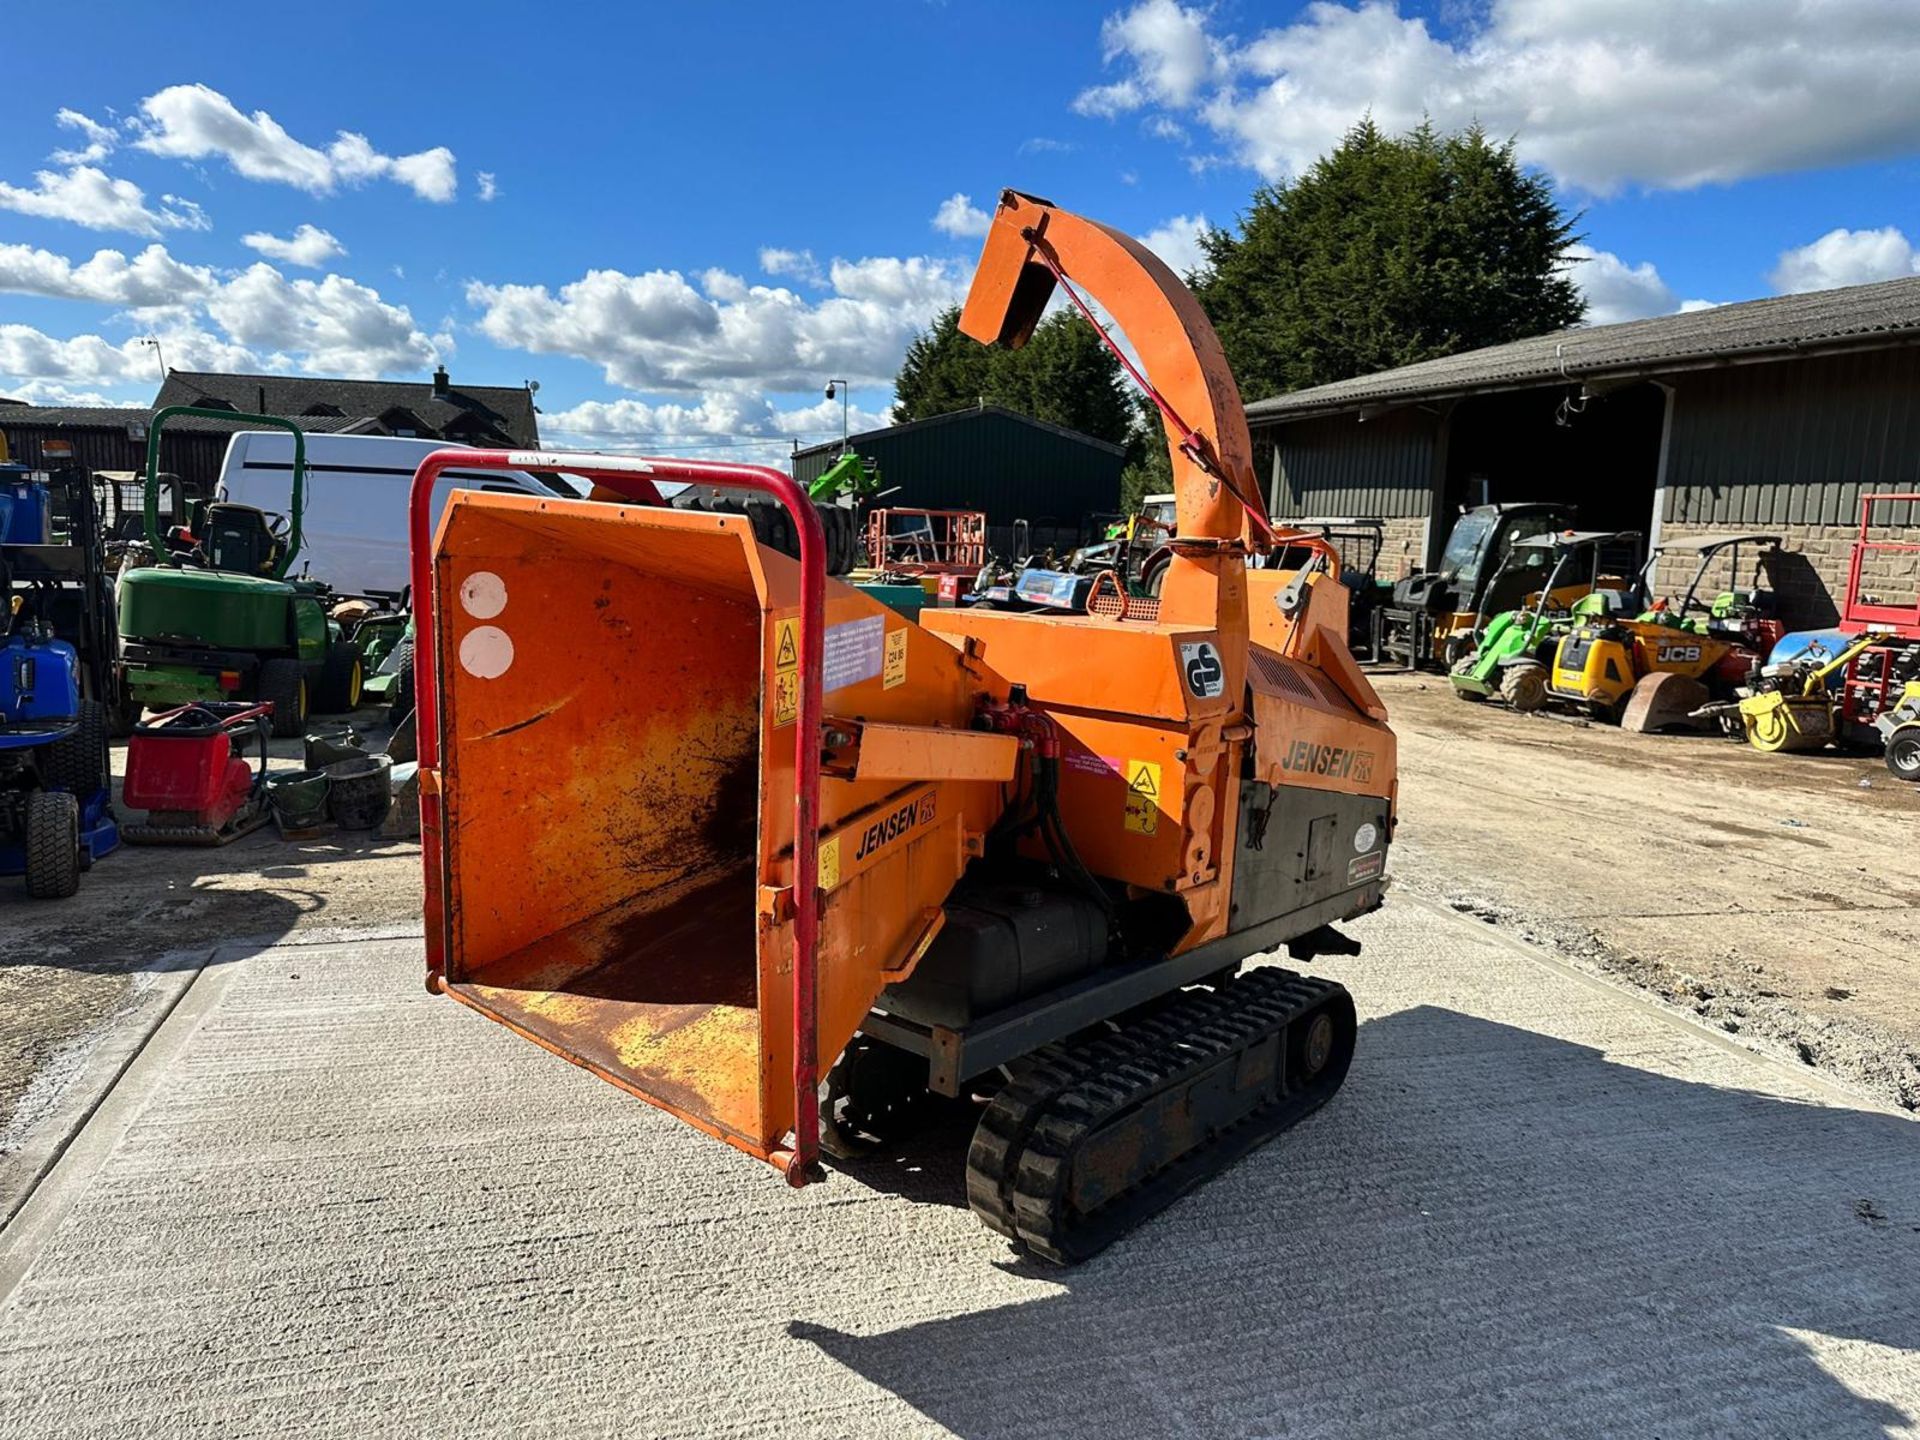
(750, 845)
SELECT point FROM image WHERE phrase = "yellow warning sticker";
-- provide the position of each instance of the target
(1143, 797)
(894, 667)
(786, 672)
(830, 863)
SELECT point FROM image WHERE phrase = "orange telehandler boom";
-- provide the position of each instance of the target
(731, 835)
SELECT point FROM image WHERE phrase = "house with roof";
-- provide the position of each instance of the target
(484, 415)
(1771, 415)
(115, 438)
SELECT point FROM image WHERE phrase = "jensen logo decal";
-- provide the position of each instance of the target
(891, 827)
(1338, 762)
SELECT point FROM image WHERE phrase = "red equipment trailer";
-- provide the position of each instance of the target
(927, 542)
(1876, 679)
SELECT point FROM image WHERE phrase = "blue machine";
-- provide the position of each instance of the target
(25, 512)
(1037, 589)
(1816, 646)
(56, 818)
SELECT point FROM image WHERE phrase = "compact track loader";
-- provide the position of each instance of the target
(731, 835)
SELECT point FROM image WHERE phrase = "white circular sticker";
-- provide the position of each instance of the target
(1364, 837)
(483, 594)
(487, 652)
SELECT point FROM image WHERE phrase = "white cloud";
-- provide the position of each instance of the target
(51, 392)
(1616, 291)
(1107, 101)
(334, 326)
(1688, 307)
(726, 423)
(153, 278)
(659, 333)
(308, 246)
(916, 285)
(1602, 93)
(782, 264)
(1845, 257)
(100, 139)
(1169, 50)
(90, 197)
(489, 186)
(192, 122)
(959, 217)
(36, 359)
(1178, 243)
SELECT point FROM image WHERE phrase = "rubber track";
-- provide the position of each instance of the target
(1075, 1094)
(1008, 1123)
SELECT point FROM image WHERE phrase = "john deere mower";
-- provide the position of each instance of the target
(216, 616)
(1512, 655)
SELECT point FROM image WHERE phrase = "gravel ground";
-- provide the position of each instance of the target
(1774, 896)
(323, 1202)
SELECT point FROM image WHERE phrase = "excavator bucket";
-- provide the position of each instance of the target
(618, 691)
(1663, 701)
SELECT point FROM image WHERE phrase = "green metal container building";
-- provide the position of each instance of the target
(989, 458)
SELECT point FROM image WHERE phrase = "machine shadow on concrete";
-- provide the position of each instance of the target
(1488, 1232)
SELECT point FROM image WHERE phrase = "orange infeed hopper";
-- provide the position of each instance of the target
(616, 690)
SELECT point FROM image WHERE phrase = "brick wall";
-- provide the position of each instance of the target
(1404, 549)
(1809, 577)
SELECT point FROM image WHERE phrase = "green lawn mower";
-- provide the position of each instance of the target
(1512, 655)
(214, 616)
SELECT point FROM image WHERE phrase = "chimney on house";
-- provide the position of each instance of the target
(440, 381)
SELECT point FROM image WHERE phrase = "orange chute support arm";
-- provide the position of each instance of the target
(1178, 349)
(1031, 246)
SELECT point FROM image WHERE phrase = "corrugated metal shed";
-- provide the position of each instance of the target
(1858, 316)
(1009, 465)
(1796, 443)
(1338, 465)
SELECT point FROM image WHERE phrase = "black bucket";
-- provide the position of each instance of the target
(359, 797)
(330, 744)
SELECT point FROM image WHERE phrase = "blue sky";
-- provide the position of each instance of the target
(698, 214)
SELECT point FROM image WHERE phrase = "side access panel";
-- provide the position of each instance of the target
(1299, 847)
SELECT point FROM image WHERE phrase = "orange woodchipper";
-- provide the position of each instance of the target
(757, 849)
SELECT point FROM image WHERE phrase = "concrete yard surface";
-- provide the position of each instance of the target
(323, 1202)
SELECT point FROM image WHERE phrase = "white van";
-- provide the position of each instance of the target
(353, 533)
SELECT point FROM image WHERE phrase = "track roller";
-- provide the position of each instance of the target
(1092, 1138)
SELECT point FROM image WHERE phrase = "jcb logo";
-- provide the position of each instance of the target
(1679, 654)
